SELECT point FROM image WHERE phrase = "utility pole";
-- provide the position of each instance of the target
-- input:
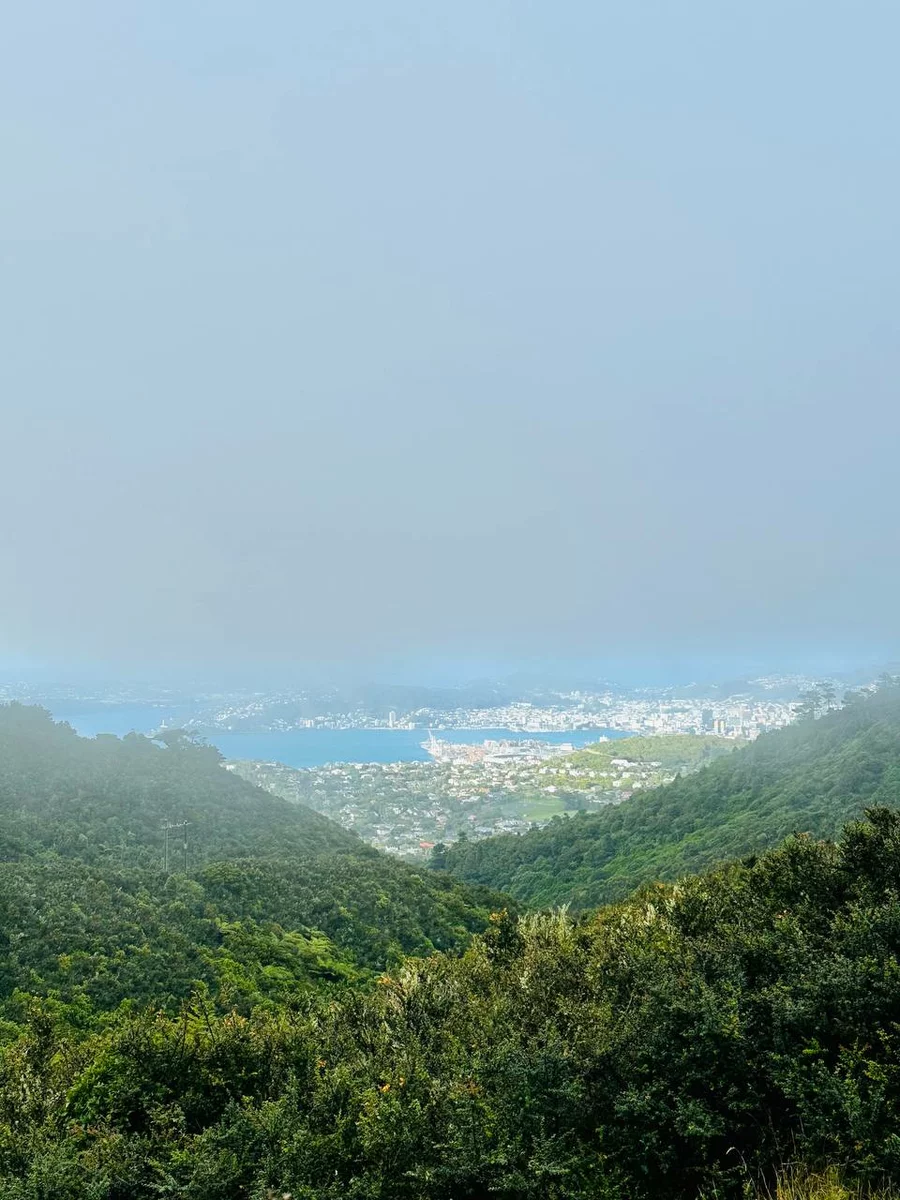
(182, 825)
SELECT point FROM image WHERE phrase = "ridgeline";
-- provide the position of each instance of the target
(810, 777)
(221, 1033)
(274, 896)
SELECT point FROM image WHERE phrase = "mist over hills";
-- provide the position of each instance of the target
(526, 372)
(104, 800)
(273, 895)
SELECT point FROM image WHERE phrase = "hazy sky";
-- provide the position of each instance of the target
(341, 331)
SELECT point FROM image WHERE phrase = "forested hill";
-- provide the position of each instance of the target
(810, 777)
(104, 800)
(222, 1033)
(275, 897)
(684, 1044)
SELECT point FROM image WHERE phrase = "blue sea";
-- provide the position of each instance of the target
(309, 747)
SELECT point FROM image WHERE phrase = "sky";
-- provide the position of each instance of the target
(378, 334)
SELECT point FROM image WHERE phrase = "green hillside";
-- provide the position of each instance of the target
(812, 776)
(275, 896)
(674, 752)
(104, 800)
(231, 1031)
(688, 1043)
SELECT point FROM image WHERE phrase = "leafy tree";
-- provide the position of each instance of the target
(232, 1032)
(688, 1041)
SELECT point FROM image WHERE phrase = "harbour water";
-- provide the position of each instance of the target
(313, 747)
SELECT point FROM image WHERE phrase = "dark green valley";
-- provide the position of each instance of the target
(292, 1013)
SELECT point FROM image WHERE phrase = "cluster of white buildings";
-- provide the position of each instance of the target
(735, 717)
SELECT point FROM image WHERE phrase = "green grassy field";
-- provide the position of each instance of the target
(542, 808)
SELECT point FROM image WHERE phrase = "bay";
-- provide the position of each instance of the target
(308, 747)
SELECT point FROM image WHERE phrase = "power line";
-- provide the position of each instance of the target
(167, 826)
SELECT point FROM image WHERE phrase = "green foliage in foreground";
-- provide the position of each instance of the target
(799, 1183)
(685, 1042)
(812, 777)
(248, 931)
